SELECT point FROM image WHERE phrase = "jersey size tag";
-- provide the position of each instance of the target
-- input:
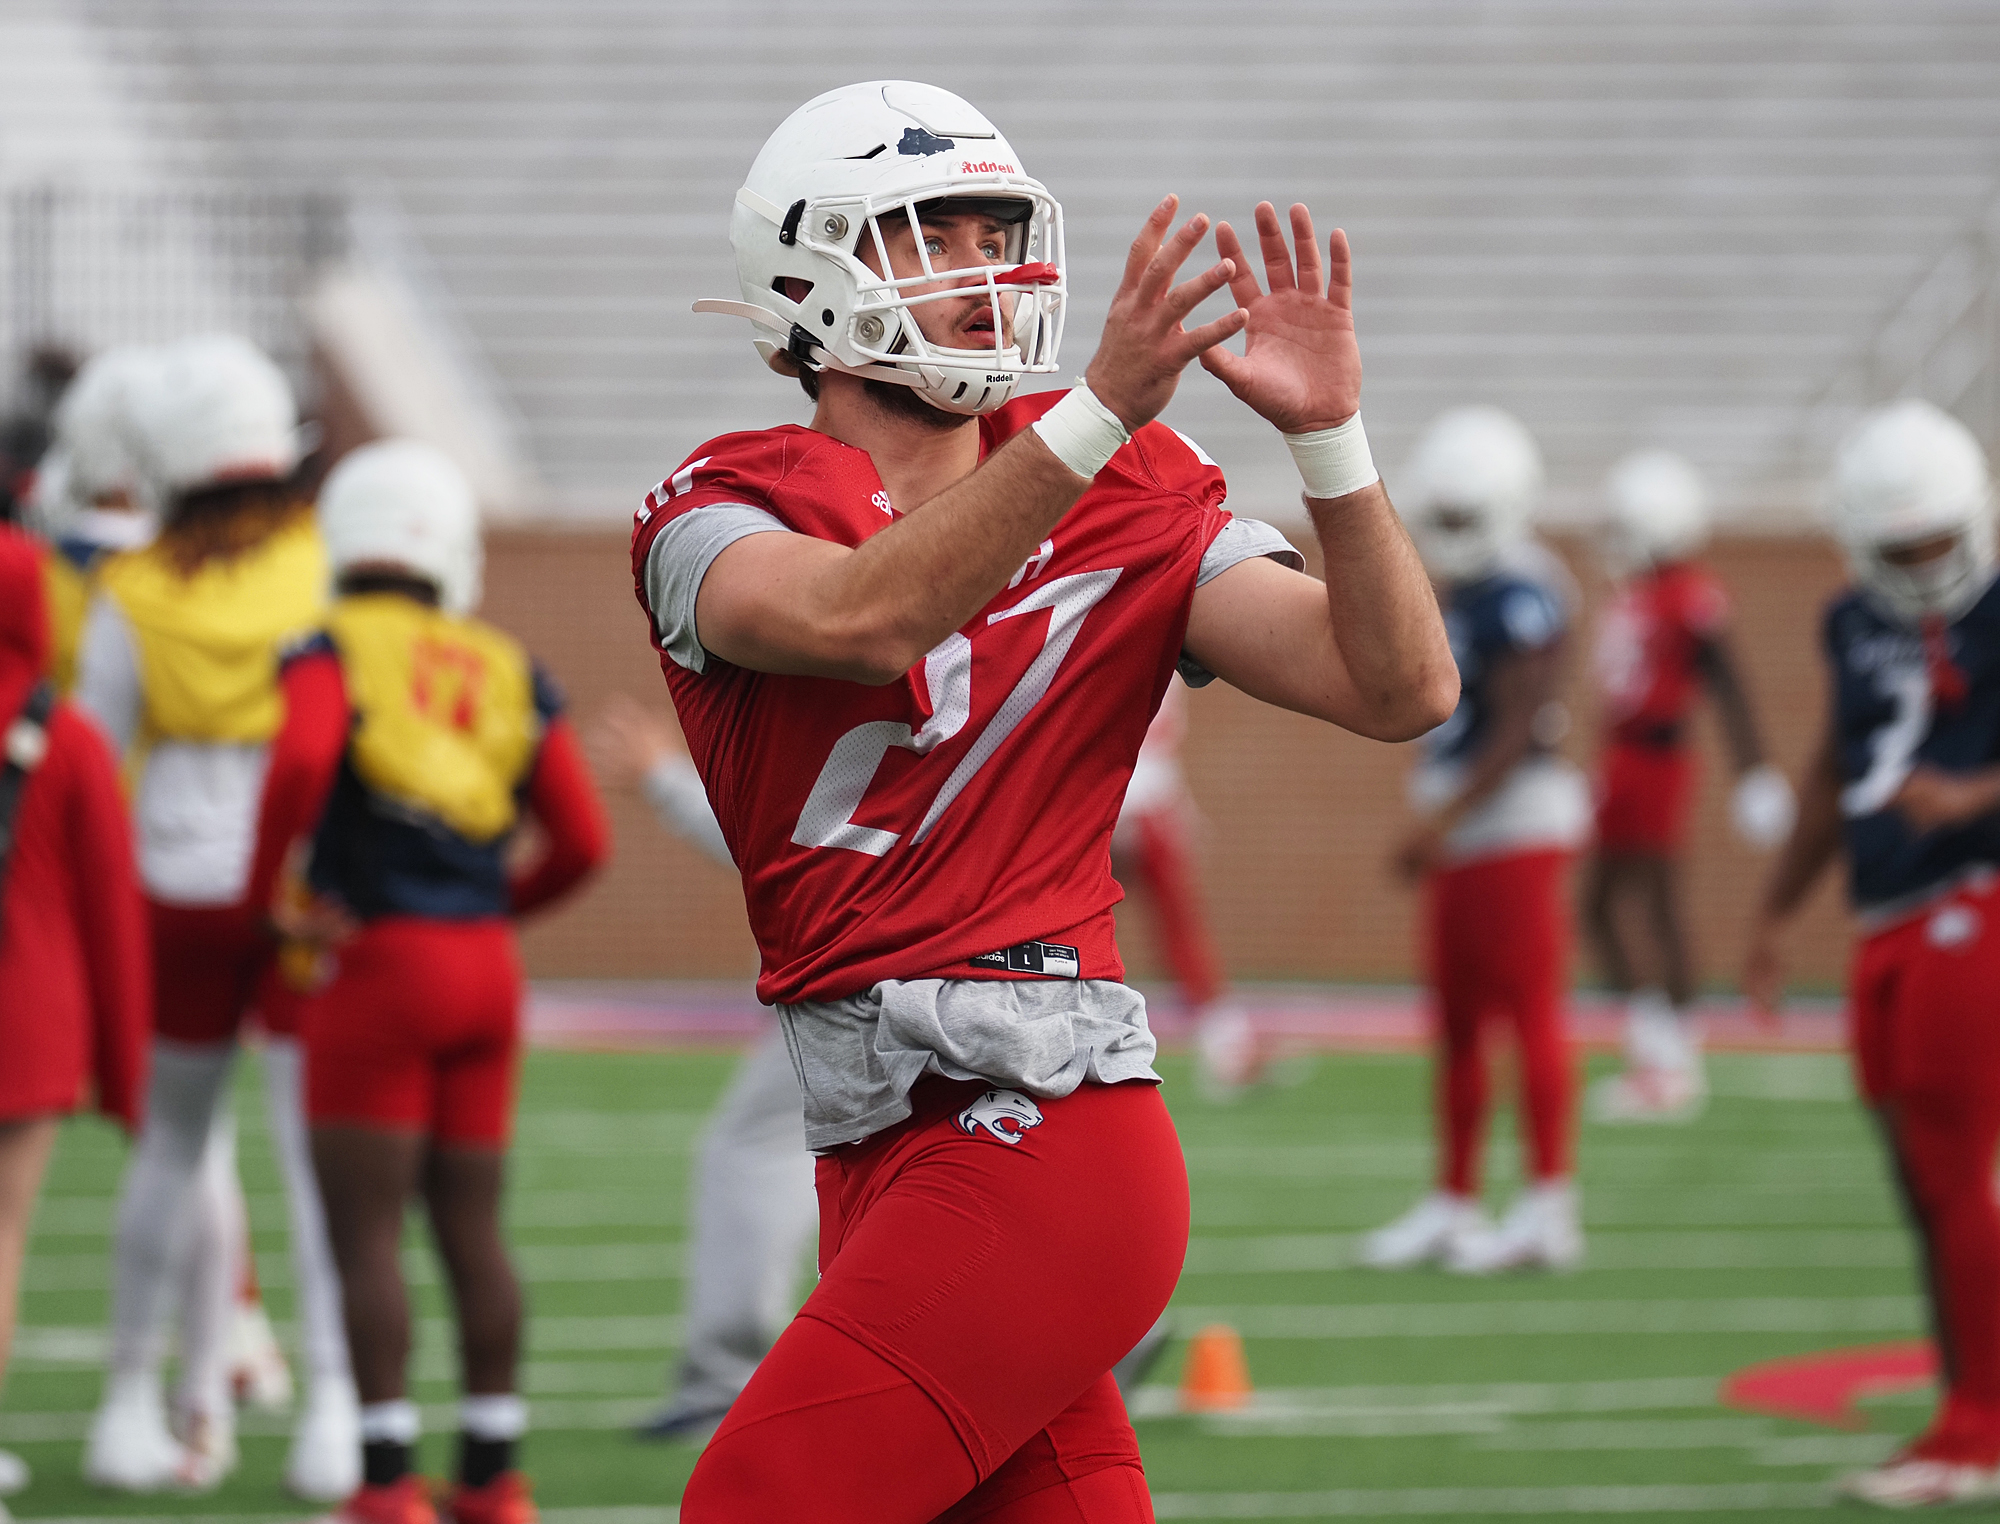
(1049, 959)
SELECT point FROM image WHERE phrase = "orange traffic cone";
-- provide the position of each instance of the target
(1216, 1375)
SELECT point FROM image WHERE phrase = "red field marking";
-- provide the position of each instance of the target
(1823, 1388)
(1289, 1018)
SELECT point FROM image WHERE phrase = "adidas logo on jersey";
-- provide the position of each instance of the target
(1004, 1115)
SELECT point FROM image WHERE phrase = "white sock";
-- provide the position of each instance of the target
(493, 1417)
(323, 1333)
(209, 1273)
(154, 1202)
(398, 1421)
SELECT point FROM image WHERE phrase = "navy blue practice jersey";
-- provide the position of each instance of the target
(1521, 607)
(1889, 717)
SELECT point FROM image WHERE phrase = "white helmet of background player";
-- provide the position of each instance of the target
(403, 504)
(1658, 512)
(842, 174)
(91, 463)
(213, 412)
(1910, 473)
(1470, 490)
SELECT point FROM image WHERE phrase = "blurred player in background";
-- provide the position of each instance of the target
(914, 651)
(90, 501)
(89, 497)
(416, 739)
(1906, 782)
(1501, 815)
(179, 664)
(1154, 843)
(75, 997)
(1663, 638)
(754, 1206)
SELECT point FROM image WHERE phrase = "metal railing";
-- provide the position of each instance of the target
(83, 267)
(1940, 342)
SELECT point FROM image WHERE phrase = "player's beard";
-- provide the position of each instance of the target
(903, 402)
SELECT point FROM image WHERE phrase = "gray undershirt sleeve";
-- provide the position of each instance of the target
(681, 557)
(1240, 540)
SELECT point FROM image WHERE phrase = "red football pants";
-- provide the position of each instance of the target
(209, 965)
(419, 1031)
(1925, 1012)
(1643, 796)
(1166, 863)
(953, 1364)
(1499, 951)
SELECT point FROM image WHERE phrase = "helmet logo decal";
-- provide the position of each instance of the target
(916, 142)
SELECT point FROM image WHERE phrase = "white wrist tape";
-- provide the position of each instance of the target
(1081, 431)
(1335, 461)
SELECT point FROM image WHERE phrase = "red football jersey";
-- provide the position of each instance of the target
(1648, 640)
(897, 832)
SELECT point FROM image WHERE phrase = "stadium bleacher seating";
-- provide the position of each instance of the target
(1624, 222)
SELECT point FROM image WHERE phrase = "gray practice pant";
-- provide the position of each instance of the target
(754, 1214)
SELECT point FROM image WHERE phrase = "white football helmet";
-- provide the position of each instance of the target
(1658, 512)
(94, 448)
(1470, 491)
(405, 504)
(1908, 473)
(211, 412)
(818, 194)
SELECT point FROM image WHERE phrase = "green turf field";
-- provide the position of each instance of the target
(1767, 1229)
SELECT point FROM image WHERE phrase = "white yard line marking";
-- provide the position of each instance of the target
(1495, 1398)
(1539, 1319)
(1357, 1502)
(1747, 1249)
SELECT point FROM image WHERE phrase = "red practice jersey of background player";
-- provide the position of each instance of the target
(1648, 649)
(898, 832)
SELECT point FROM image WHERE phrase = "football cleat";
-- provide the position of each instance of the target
(258, 1375)
(1430, 1231)
(504, 1500)
(1909, 1481)
(1228, 1057)
(208, 1445)
(325, 1459)
(14, 1474)
(129, 1446)
(1663, 1080)
(1649, 1095)
(1541, 1231)
(405, 1501)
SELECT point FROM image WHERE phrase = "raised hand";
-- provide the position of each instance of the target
(1301, 366)
(1144, 349)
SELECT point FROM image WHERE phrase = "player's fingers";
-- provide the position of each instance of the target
(1190, 294)
(1278, 274)
(1307, 247)
(1147, 244)
(1243, 286)
(1149, 241)
(1339, 270)
(1221, 362)
(1198, 341)
(1172, 254)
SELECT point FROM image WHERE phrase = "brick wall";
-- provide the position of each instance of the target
(1299, 817)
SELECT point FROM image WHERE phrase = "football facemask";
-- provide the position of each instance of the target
(819, 198)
